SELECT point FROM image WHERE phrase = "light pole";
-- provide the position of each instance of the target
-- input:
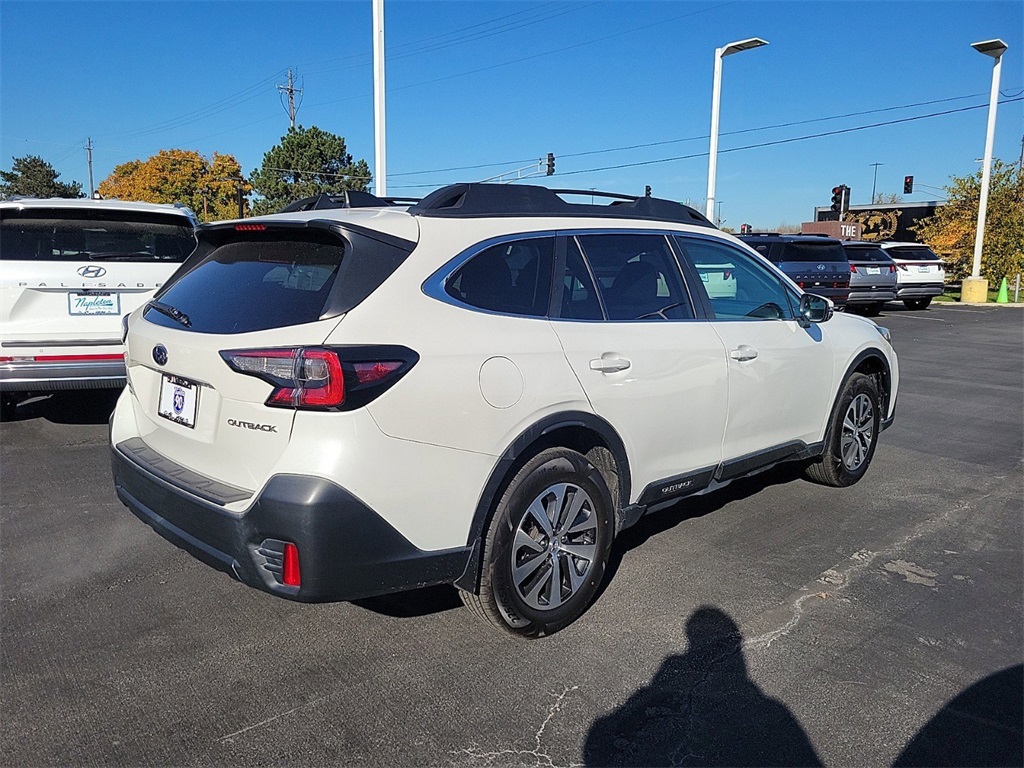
(975, 289)
(716, 96)
(380, 179)
(873, 180)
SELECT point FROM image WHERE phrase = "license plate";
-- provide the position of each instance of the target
(924, 269)
(94, 303)
(874, 271)
(179, 400)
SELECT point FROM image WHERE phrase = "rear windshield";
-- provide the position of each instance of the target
(255, 283)
(913, 254)
(866, 253)
(824, 252)
(44, 234)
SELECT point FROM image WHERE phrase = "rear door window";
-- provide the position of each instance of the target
(638, 276)
(53, 234)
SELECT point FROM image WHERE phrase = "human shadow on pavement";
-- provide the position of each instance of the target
(83, 406)
(417, 602)
(983, 725)
(701, 708)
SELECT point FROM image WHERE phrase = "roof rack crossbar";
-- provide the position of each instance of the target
(347, 198)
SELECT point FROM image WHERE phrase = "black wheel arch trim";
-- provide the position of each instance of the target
(885, 395)
(520, 448)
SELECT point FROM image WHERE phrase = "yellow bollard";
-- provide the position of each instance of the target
(1004, 293)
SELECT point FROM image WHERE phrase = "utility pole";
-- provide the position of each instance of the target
(88, 155)
(291, 90)
(873, 180)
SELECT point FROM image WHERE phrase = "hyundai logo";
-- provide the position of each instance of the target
(92, 271)
(160, 354)
(821, 267)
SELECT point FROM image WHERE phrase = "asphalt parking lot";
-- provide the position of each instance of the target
(773, 623)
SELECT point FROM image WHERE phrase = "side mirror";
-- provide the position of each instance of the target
(813, 309)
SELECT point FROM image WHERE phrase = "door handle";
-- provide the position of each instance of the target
(743, 353)
(608, 364)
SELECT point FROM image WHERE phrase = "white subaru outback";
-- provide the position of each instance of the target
(69, 270)
(481, 389)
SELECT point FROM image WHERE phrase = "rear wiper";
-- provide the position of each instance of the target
(172, 312)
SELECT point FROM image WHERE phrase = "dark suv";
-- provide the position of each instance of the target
(817, 264)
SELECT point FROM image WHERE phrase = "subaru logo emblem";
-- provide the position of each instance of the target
(160, 354)
(92, 271)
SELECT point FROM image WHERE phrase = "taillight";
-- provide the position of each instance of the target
(324, 378)
(801, 284)
(726, 274)
(892, 268)
(853, 269)
(250, 227)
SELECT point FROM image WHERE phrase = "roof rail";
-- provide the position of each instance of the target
(402, 200)
(349, 198)
(479, 200)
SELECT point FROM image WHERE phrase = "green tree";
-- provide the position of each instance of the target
(208, 187)
(950, 232)
(308, 161)
(33, 176)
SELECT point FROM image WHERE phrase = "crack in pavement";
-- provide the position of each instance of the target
(539, 753)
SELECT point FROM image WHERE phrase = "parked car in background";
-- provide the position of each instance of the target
(920, 273)
(481, 389)
(70, 269)
(816, 263)
(872, 277)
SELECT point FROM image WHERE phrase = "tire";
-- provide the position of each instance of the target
(872, 310)
(851, 436)
(917, 303)
(8, 406)
(557, 575)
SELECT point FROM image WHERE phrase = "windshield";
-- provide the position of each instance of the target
(913, 254)
(43, 234)
(824, 252)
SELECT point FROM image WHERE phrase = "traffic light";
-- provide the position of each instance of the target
(647, 190)
(908, 185)
(837, 198)
(841, 198)
(551, 164)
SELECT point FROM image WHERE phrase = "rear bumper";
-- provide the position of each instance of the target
(36, 376)
(919, 290)
(870, 296)
(346, 550)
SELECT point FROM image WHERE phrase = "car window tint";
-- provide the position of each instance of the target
(812, 251)
(913, 254)
(42, 234)
(254, 284)
(579, 296)
(511, 277)
(736, 283)
(866, 253)
(638, 277)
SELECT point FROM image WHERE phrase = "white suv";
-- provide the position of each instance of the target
(482, 390)
(920, 273)
(69, 270)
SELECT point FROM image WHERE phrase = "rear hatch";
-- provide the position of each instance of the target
(68, 275)
(870, 267)
(917, 264)
(255, 299)
(815, 266)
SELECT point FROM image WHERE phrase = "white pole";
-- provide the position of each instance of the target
(716, 98)
(380, 163)
(986, 168)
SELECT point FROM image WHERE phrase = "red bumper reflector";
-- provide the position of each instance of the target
(292, 577)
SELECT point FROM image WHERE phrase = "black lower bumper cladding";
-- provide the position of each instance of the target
(346, 550)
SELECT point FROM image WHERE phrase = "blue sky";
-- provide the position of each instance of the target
(500, 84)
